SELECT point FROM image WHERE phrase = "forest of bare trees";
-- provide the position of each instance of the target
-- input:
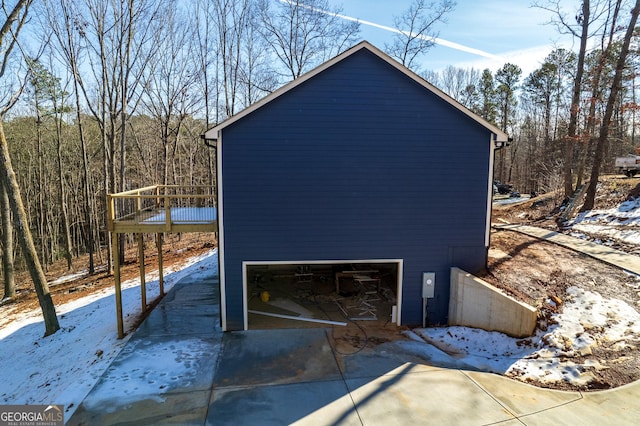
(98, 97)
(573, 114)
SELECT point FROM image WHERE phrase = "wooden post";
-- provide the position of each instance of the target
(111, 212)
(116, 278)
(167, 212)
(160, 272)
(138, 203)
(199, 196)
(143, 285)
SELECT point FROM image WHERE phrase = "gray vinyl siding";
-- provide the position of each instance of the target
(359, 162)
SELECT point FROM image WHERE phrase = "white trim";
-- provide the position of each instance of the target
(399, 292)
(214, 132)
(245, 264)
(221, 265)
(492, 154)
(245, 305)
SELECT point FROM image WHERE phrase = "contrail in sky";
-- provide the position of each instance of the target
(436, 40)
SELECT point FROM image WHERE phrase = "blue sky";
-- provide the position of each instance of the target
(509, 29)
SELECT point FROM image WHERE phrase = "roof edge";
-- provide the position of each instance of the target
(212, 133)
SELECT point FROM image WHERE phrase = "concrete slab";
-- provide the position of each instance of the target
(373, 364)
(188, 293)
(165, 372)
(612, 407)
(257, 357)
(168, 320)
(309, 403)
(520, 398)
(189, 308)
(189, 408)
(152, 377)
(427, 397)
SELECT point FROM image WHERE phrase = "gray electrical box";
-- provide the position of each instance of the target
(428, 284)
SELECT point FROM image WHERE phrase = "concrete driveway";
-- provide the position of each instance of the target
(179, 368)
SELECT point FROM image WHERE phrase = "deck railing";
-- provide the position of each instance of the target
(162, 205)
(156, 209)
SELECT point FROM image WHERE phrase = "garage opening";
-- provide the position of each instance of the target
(322, 293)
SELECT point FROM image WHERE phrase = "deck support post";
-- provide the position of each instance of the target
(116, 278)
(143, 214)
(160, 267)
(143, 284)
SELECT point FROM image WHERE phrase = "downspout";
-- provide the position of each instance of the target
(213, 144)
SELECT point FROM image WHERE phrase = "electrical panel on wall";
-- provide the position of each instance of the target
(428, 284)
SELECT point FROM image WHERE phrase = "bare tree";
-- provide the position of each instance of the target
(572, 133)
(578, 28)
(50, 105)
(303, 34)
(206, 52)
(8, 39)
(231, 17)
(459, 83)
(168, 83)
(417, 27)
(118, 38)
(611, 101)
(67, 27)
(8, 273)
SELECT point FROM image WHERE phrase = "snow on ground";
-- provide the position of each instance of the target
(587, 320)
(64, 367)
(509, 200)
(620, 223)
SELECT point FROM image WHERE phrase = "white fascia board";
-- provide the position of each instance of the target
(499, 135)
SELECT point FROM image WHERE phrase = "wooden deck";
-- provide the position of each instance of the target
(157, 209)
(163, 209)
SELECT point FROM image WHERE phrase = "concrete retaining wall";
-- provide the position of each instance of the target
(476, 303)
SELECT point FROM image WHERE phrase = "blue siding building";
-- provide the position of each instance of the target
(357, 161)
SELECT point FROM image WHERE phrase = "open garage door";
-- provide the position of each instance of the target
(322, 293)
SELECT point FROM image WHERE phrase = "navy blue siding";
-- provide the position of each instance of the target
(359, 162)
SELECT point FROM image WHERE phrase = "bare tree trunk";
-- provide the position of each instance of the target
(9, 191)
(7, 245)
(40, 179)
(88, 219)
(575, 103)
(62, 193)
(24, 237)
(63, 29)
(611, 101)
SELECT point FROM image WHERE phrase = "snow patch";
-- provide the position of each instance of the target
(587, 321)
(64, 367)
(620, 223)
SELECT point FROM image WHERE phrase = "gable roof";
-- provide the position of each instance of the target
(212, 133)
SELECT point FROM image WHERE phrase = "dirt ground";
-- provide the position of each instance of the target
(530, 270)
(536, 272)
(177, 249)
